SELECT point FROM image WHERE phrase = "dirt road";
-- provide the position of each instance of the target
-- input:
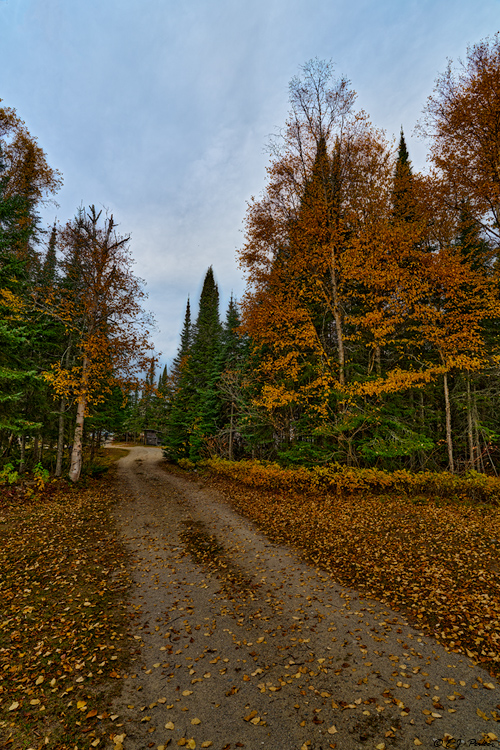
(240, 644)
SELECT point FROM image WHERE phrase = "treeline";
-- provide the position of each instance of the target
(370, 324)
(369, 331)
(73, 336)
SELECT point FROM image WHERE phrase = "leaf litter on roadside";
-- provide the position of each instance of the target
(437, 561)
(63, 642)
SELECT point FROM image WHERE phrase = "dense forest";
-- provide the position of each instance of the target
(368, 334)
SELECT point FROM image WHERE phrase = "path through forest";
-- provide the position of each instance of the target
(240, 644)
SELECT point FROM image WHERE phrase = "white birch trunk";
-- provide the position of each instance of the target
(449, 441)
(76, 453)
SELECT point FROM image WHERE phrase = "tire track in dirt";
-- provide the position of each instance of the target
(240, 644)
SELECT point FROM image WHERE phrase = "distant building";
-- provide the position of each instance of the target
(151, 437)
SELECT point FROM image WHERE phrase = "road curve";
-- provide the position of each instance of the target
(241, 644)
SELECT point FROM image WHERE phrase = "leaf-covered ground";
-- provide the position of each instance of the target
(64, 640)
(438, 561)
(63, 629)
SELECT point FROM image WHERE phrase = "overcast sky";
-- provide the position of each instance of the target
(160, 110)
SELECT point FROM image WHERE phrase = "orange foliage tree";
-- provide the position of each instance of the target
(461, 119)
(100, 306)
(356, 288)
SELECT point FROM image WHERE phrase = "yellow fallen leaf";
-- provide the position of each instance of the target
(195, 721)
(482, 714)
(207, 743)
(170, 725)
(492, 736)
(416, 741)
(191, 744)
(185, 693)
(81, 705)
(181, 742)
(436, 716)
(118, 738)
(13, 706)
(34, 702)
(96, 742)
(255, 720)
(332, 729)
(162, 700)
(39, 680)
(489, 685)
(380, 746)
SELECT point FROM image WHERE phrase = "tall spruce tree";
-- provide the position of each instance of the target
(177, 420)
(403, 200)
(204, 367)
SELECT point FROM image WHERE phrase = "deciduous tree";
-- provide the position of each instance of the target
(102, 310)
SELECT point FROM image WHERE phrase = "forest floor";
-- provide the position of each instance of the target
(213, 634)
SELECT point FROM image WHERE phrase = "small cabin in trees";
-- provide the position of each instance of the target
(151, 437)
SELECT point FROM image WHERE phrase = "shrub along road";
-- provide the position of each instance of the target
(242, 644)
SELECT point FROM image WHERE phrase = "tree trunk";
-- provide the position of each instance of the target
(338, 320)
(340, 343)
(36, 449)
(76, 453)
(470, 426)
(60, 438)
(22, 460)
(449, 441)
(230, 447)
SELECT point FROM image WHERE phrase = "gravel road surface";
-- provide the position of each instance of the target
(240, 644)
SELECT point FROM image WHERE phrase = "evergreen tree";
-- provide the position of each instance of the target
(48, 272)
(180, 359)
(204, 367)
(403, 200)
(177, 421)
(206, 335)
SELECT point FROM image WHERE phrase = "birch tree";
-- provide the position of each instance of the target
(100, 306)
